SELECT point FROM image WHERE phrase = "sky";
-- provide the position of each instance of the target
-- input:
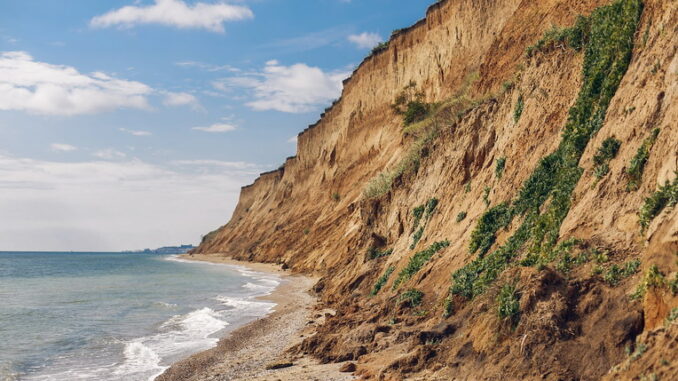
(127, 124)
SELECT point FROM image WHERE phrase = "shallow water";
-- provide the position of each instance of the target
(116, 316)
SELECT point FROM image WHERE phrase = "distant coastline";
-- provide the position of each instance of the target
(183, 249)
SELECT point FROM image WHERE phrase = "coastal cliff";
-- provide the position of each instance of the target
(520, 224)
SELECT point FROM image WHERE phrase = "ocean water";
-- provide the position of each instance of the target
(117, 316)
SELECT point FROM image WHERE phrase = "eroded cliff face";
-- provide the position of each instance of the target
(578, 282)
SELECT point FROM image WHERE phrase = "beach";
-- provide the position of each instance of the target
(257, 351)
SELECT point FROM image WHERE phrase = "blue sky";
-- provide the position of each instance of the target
(127, 124)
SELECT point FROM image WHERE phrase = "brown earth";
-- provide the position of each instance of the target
(311, 215)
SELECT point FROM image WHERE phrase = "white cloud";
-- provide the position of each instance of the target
(60, 147)
(217, 127)
(294, 89)
(110, 154)
(365, 40)
(181, 99)
(175, 13)
(113, 205)
(136, 132)
(293, 139)
(38, 87)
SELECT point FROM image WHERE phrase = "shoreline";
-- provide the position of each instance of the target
(246, 352)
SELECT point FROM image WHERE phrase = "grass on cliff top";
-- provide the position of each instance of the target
(607, 40)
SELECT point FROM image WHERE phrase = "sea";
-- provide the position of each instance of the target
(117, 316)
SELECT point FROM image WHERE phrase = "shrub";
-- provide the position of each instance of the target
(518, 111)
(335, 196)
(417, 261)
(615, 273)
(486, 195)
(380, 47)
(412, 296)
(461, 216)
(431, 206)
(666, 195)
(416, 112)
(606, 152)
(509, 304)
(637, 165)
(499, 168)
(383, 182)
(653, 279)
(382, 281)
(575, 37)
(485, 232)
(416, 237)
(374, 253)
(418, 213)
(448, 307)
(467, 187)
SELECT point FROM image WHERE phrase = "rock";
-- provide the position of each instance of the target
(279, 365)
(348, 367)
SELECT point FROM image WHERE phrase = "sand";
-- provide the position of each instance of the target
(245, 353)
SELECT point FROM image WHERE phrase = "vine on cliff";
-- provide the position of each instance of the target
(607, 40)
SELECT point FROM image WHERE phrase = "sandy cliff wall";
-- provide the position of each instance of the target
(575, 318)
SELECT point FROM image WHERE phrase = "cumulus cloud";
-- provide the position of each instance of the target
(176, 13)
(114, 205)
(181, 99)
(42, 88)
(215, 128)
(365, 40)
(294, 89)
(61, 147)
(136, 132)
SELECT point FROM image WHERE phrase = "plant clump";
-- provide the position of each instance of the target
(382, 281)
(637, 165)
(606, 152)
(417, 261)
(413, 297)
(665, 196)
(374, 253)
(508, 304)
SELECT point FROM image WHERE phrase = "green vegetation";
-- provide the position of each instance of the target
(606, 152)
(499, 168)
(666, 195)
(380, 47)
(637, 165)
(422, 211)
(383, 182)
(467, 187)
(575, 37)
(382, 281)
(461, 216)
(616, 273)
(607, 40)
(412, 296)
(484, 235)
(410, 105)
(335, 196)
(374, 253)
(417, 261)
(653, 279)
(508, 302)
(518, 111)
(448, 307)
(673, 315)
(486, 195)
